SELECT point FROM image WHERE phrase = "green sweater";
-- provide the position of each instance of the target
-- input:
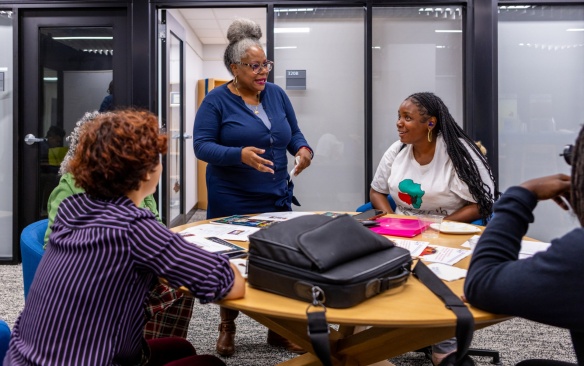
(66, 188)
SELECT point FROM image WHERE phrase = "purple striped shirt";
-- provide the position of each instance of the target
(86, 303)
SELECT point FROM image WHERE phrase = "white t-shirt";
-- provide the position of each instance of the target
(434, 188)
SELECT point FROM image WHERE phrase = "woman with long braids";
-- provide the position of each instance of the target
(546, 287)
(434, 168)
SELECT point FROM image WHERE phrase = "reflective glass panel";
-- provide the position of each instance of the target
(414, 50)
(541, 73)
(76, 78)
(318, 60)
(175, 127)
(6, 137)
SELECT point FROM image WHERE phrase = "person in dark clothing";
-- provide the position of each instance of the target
(107, 104)
(547, 287)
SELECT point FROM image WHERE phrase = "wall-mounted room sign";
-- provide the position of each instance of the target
(295, 79)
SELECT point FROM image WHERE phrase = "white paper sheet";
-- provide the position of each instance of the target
(293, 171)
(446, 255)
(528, 248)
(223, 231)
(414, 246)
(446, 272)
(241, 264)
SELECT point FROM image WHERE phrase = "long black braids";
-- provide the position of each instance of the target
(431, 105)
(577, 190)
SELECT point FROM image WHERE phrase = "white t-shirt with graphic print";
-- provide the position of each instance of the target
(434, 188)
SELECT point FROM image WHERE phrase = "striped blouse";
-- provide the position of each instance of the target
(86, 303)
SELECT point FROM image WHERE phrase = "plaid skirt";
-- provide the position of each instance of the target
(168, 312)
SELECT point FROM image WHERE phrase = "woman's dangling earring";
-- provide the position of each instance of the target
(429, 135)
(235, 80)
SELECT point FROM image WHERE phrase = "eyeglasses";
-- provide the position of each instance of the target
(257, 68)
(567, 154)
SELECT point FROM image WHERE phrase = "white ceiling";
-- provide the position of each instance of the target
(210, 25)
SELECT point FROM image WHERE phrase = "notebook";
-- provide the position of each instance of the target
(398, 227)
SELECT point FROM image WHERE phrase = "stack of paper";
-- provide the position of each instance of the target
(446, 272)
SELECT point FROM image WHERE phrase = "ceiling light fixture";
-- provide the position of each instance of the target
(448, 31)
(293, 10)
(285, 47)
(78, 38)
(512, 7)
(575, 30)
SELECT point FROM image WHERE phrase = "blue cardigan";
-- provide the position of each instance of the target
(224, 125)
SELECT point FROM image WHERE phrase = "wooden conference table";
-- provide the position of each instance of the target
(401, 320)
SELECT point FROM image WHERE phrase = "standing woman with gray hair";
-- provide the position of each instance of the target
(243, 130)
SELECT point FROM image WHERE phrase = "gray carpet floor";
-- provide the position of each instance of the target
(515, 339)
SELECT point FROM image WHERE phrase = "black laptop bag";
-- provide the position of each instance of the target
(345, 261)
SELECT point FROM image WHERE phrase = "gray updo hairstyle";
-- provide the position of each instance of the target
(241, 34)
(73, 139)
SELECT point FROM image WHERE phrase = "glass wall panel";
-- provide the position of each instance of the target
(325, 45)
(6, 137)
(174, 120)
(541, 74)
(77, 71)
(414, 50)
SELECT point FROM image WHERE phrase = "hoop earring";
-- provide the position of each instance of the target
(429, 135)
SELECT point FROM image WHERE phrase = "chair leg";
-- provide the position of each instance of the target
(486, 353)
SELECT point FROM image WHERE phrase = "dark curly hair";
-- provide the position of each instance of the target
(430, 105)
(116, 152)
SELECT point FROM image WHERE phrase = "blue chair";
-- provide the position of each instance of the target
(4, 339)
(31, 250)
(369, 206)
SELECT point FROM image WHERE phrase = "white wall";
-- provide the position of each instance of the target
(201, 62)
(193, 71)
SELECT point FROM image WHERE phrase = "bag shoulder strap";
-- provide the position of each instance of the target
(318, 331)
(464, 318)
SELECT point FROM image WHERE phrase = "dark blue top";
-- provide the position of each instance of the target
(107, 104)
(224, 125)
(546, 288)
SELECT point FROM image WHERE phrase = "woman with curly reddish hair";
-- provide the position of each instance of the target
(85, 305)
(168, 311)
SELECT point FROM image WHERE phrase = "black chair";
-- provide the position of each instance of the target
(471, 352)
(544, 363)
